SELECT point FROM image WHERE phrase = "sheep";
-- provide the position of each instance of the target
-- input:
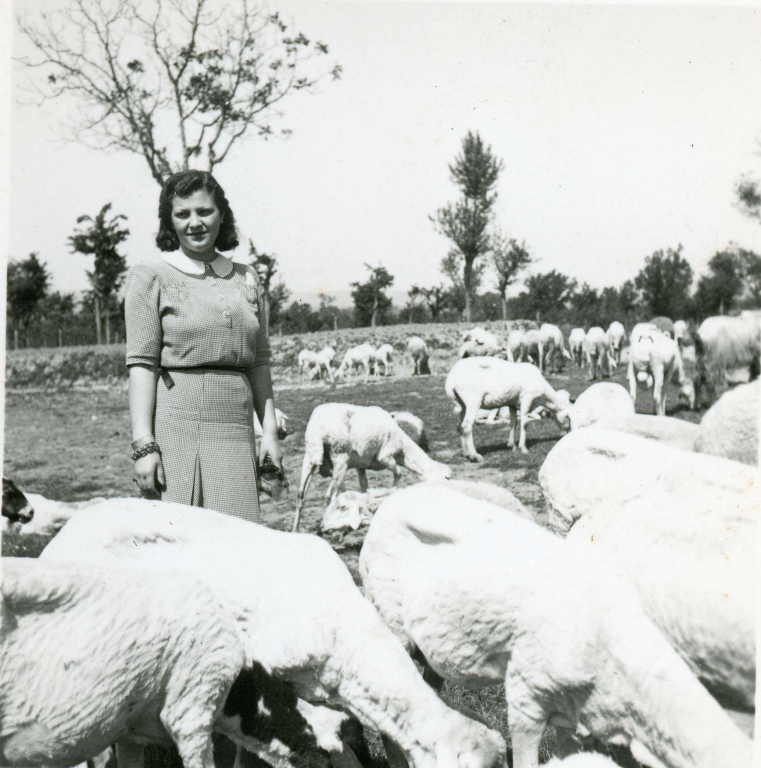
(681, 333)
(692, 558)
(657, 355)
(615, 334)
(481, 336)
(730, 427)
(168, 666)
(275, 584)
(590, 467)
(16, 506)
(50, 516)
(516, 346)
(490, 383)
(602, 401)
(474, 349)
(552, 347)
(413, 427)
(383, 355)
(532, 345)
(725, 343)
(486, 598)
(576, 341)
(419, 351)
(596, 352)
(340, 437)
(314, 363)
(665, 325)
(354, 357)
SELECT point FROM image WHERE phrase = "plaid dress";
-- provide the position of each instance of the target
(205, 329)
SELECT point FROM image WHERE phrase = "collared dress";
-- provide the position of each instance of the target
(204, 325)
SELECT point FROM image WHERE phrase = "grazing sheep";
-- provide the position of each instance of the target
(413, 427)
(692, 557)
(591, 467)
(275, 586)
(615, 334)
(16, 506)
(487, 598)
(657, 355)
(354, 357)
(490, 383)
(516, 346)
(603, 401)
(577, 341)
(730, 427)
(532, 346)
(552, 348)
(665, 325)
(340, 437)
(474, 349)
(681, 333)
(314, 363)
(159, 668)
(383, 355)
(481, 336)
(596, 351)
(723, 344)
(419, 351)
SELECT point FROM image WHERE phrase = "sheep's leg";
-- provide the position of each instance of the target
(659, 391)
(525, 410)
(394, 754)
(330, 373)
(130, 755)
(632, 382)
(467, 420)
(340, 468)
(592, 367)
(511, 433)
(362, 476)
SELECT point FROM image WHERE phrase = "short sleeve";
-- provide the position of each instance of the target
(142, 297)
(263, 353)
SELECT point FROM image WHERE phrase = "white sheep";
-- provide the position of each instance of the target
(475, 349)
(383, 356)
(532, 346)
(576, 341)
(552, 348)
(730, 427)
(592, 467)
(490, 383)
(314, 363)
(419, 351)
(413, 427)
(361, 355)
(596, 352)
(275, 586)
(657, 355)
(603, 401)
(488, 598)
(340, 437)
(615, 334)
(481, 336)
(516, 346)
(77, 675)
(692, 558)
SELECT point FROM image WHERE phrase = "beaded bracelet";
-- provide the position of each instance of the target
(145, 450)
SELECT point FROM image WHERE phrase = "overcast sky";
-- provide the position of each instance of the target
(622, 130)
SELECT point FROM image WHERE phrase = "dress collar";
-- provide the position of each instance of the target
(222, 266)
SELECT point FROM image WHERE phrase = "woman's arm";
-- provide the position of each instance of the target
(264, 405)
(149, 470)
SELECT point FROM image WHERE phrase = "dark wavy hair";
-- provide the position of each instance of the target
(184, 184)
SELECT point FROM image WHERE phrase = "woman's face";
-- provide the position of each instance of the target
(196, 220)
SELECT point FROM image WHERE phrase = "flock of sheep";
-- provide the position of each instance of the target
(630, 621)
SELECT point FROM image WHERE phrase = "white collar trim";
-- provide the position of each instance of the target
(222, 266)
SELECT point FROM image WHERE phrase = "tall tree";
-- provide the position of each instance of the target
(509, 260)
(435, 298)
(265, 265)
(101, 240)
(751, 269)
(665, 284)
(278, 295)
(27, 286)
(586, 305)
(328, 310)
(628, 298)
(465, 222)
(719, 290)
(452, 267)
(371, 304)
(547, 296)
(175, 81)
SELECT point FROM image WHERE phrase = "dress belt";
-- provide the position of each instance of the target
(166, 376)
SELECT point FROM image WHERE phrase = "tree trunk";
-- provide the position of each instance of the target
(60, 337)
(15, 338)
(467, 274)
(108, 327)
(97, 320)
(335, 322)
(504, 307)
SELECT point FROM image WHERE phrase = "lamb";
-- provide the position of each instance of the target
(692, 558)
(596, 352)
(413, 427)
(552, 347)
(383, 355)
(577, 341)
(592, 467)
(340, 437)
(344, 657)
(16, 506)
(169, 665)
(615, 334)
(516, 346)
(419, 351)
(486, 598)
(655, 354)
(354, 357)
(603, 401)
(490, 383)
(730, 427)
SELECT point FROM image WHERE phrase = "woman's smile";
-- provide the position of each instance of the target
(197, 220)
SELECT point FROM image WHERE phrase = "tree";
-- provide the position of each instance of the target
(265, 265)
(435, 298)
(509, 260)
(665, 284)
(101, 239)
(586, 305)
(27, 286)
(174, 81)
(370, 301)
(547, 296)
(277, 298)
(719, 290)
(452, 267)
(465, 222)
(328, 310)
(751, 270)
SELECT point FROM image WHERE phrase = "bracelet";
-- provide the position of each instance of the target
(145, 450)
(141, 442)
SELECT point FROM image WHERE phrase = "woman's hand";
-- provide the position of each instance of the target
(270, 446)
(149, 473)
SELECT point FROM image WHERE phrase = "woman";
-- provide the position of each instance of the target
(198, 357)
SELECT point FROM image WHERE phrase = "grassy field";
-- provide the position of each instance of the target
(70, 444)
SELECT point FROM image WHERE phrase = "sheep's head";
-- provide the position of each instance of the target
(437, 472)
(471, 744)
(16, 506)
(563, 409)
(351, 509)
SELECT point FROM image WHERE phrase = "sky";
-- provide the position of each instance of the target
(623, 130)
